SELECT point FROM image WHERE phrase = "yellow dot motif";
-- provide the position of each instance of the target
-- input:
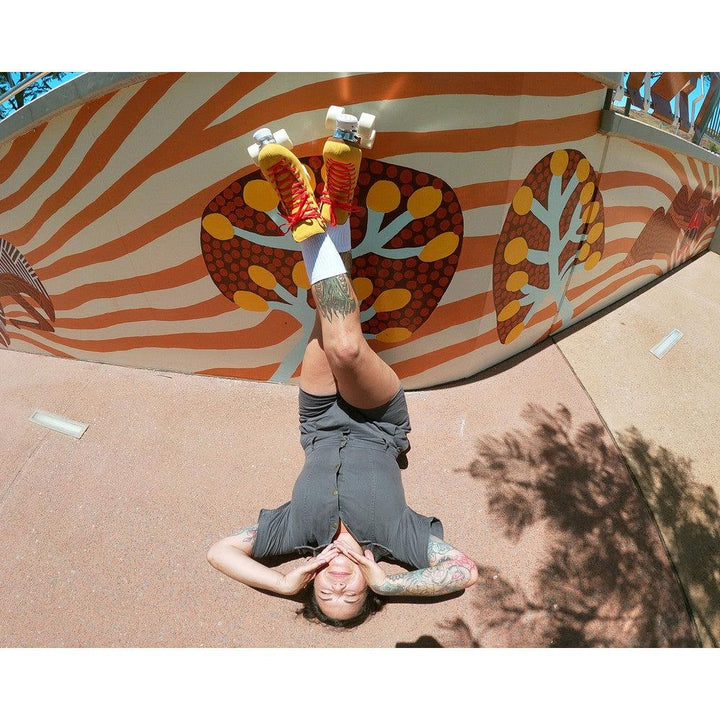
(300, 276)
(593, 260)
(517, 281)
(586, 194)
(363, 288)
(250, 301)
(392, 300)
(262, 277)
(383, 196)
(522, 202)
(424, 202)
(259, 195)
(591, 212)
(218, 226)
(513, 334)
(440, 247)
(512, 308)
(584, 252)
(393, 335)
(559, 162)
(583, 170)
(595, 233)
(516, 251)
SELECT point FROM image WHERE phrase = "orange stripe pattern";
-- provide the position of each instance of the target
(104, 204)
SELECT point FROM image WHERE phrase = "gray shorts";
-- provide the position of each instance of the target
(329, 416)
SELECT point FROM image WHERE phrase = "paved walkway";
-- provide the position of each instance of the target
(105, 537)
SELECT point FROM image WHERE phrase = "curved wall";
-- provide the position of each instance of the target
(136, 231)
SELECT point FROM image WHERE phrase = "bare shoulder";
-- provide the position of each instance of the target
(243, 539)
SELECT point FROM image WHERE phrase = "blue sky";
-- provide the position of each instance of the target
(53, 83)
(692, 96)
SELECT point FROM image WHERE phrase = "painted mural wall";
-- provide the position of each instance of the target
(136, 231)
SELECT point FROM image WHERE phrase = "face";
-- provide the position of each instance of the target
(340, 588)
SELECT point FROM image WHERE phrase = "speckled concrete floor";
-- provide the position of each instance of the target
(105, 536)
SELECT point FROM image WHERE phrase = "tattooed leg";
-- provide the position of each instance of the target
(335, 297)
(316, 374)
(363, 378)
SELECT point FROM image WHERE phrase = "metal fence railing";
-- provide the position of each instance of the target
(17, 89)
(685, 103)
(711, 128)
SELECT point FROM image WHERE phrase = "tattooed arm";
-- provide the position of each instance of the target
(449, 571)
(233, 557)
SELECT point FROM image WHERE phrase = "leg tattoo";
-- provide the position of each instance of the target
(334, 297)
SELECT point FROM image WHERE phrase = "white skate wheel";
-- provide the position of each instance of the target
(254, 151)
(347, 123)
(333, 113)
(370, 141)
(282, 138)
(366, 126)
(262, 135)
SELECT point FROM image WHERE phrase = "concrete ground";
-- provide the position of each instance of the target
(560, 472)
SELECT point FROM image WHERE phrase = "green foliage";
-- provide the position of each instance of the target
(9, 80)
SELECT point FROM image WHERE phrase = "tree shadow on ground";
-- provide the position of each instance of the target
(688, 514)
(605, 579)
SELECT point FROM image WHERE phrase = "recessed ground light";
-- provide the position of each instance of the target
(59, 423)
(666, 343)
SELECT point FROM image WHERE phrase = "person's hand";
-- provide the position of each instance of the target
(374, 575)
(297, 578)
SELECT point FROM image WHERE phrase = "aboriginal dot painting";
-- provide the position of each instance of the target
(406, 241)
(137, 231)
(555, 223)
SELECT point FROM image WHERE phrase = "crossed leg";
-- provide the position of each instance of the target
(337, 357)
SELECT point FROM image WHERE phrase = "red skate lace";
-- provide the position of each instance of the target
(288, 185)
(339, 188)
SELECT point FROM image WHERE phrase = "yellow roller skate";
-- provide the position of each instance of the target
(342, 156)
(289, 179)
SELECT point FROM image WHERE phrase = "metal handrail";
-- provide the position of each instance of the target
(15, 89)
(711, 115)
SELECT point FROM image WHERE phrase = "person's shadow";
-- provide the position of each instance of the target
(606, 580)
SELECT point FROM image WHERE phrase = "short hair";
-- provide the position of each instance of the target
(310, 609)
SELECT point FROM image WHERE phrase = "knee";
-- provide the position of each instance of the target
(344, 353)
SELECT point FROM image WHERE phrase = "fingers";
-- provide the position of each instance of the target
(322, 558)
(329, 552)
(358, 559)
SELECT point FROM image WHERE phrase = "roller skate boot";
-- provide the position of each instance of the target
(290, 181)
(342, 156)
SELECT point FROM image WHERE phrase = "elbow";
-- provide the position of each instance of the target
(214, 554)
(472, 571)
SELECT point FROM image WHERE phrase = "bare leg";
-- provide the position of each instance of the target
(316, 375)
(338, 358)
(363, 378)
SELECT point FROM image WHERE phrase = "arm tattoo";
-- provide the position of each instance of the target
(449, 571)
(334, 296)
(438, 551)
(247, 535)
